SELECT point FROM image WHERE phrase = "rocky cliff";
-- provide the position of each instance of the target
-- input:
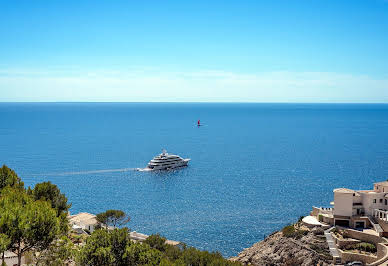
(296, 246)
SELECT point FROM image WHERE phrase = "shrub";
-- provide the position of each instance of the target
(363, 246)
(300, 233)
(157, 242)
(319, 231)
(288, 231)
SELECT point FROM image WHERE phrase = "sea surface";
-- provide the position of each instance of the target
(254, 167)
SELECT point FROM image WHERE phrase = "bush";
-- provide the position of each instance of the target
(318, 231)
(288, 231)
(363, 246)
(157, 242)
(114, 248)
(300, 233)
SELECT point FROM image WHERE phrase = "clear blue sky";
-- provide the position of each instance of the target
(261, 51)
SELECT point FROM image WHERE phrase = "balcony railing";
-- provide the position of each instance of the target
(381, 214)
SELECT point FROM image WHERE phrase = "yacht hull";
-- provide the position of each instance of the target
(165, 161)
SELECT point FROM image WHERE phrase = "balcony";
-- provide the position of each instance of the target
(381, 215)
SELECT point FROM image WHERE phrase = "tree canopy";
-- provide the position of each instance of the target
(8, 177)
(106, 247)
(113, 218)
(50, 192)
(27, 223)
(5, 242)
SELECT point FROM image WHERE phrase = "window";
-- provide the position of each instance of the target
(385, 201)
(374, 201)
(381, 200)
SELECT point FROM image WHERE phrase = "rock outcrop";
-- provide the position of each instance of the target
(304, 247)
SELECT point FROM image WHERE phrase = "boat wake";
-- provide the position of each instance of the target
(143, 169)
(87, 172)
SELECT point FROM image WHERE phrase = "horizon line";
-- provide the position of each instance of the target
(199, 102)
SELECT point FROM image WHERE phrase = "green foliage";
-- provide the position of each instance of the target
(113, 218)
(119, 242)
(41, 225)
(142, 254)
(64, 226)
(97, 250)
(157, 242)
(60, 252)
(363, 246)
(288, 231)
(5, 241)
(29, 224)
(50, 192)
(34, 223)
(8, 178)
(105, 248)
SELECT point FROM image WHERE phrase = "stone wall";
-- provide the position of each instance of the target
(363, 236)
(382, 254)
(381, 245)
(381, 250)
(350, 256)
(383, 225)
(343, 243)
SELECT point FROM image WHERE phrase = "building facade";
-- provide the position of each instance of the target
(358, 208)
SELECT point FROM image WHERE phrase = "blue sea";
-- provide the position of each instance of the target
(254, 167)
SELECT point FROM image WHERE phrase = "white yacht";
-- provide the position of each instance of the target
(165, 161)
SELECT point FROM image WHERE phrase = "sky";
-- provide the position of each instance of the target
(194, 51)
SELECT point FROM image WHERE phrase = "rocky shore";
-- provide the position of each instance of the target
(294, 245)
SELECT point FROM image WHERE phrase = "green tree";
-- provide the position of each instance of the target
(50, 192)
(157, 242)
(29, 224)
(60, 252)
(119, 242)
(106, 248)
(142, 254)
(8, 177)
(113, 218)
(97, 250)
(4, 245)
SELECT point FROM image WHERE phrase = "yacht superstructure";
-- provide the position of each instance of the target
(165, 161)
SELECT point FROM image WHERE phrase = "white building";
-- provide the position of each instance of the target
(83, 220)
(357, 208)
